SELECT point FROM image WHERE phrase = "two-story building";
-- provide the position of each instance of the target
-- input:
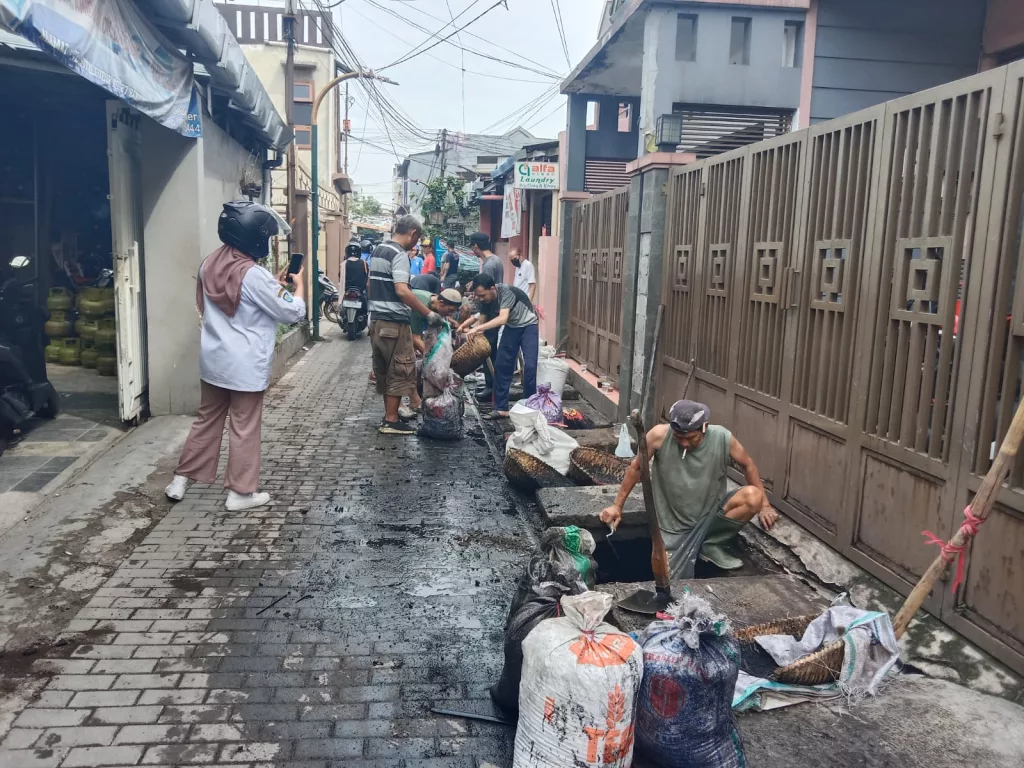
(705, 76)
(259, 27)
(125, 135)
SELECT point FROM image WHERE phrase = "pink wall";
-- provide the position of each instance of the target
(547, 287)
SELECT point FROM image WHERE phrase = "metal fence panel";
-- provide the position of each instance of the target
(681, 292)
(987, 607)
(850, 296)
(833, 217)
(913, 390)
(596, 300)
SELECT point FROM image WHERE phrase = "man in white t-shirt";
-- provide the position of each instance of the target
(526, 276)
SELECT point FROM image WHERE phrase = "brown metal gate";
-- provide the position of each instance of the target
(595, 304)
(849, 294)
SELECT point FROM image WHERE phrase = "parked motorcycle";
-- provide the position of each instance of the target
(328, 298)
(354, 311)
(24, 389)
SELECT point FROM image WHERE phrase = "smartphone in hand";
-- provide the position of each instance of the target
(295, 264)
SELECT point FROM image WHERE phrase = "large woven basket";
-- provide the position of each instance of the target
(471, 355)
(589, 466)
(528, 473)
(822, 666)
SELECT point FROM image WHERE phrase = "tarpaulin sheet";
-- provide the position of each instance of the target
(110, 44)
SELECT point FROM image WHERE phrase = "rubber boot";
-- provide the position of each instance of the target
(722, 531)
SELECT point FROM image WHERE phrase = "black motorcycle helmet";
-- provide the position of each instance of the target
(248, 227)
(366, 246)
(352, 251)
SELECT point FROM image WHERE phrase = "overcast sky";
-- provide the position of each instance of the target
(432, 90)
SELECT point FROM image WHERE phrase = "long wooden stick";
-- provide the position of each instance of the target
(980, 508)
(659, 557)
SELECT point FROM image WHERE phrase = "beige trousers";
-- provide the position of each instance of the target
(244, 411)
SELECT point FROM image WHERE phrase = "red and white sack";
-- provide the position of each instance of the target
(578, 693)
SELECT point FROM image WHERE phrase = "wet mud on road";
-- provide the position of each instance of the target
(317, 631)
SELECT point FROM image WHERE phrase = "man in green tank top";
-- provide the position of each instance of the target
(696, 513)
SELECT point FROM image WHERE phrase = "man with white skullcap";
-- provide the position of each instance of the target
(696, 513)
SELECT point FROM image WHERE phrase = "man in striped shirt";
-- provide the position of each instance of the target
(392, 303)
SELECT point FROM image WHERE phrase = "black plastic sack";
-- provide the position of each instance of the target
(684, 718)
(442, 416)
(562, 566)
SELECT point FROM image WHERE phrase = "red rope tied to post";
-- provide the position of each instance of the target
(950, 550)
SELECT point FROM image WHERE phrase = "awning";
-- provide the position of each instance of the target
(135, 53)
(110, 44)
(198, 27)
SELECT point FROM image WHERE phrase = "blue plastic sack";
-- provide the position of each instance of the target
(684, 718)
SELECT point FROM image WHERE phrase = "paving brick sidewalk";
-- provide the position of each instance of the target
(315, 632)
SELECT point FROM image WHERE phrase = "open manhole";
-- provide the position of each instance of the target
(628, 560)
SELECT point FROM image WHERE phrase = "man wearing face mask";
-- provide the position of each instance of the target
(526, 277)
(698, 516)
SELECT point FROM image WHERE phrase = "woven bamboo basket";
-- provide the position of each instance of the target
(822, 666)
(471, 355)
(589, 466)
(528, 473)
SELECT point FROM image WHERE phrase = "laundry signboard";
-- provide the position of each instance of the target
(536, 175)
(111, 44)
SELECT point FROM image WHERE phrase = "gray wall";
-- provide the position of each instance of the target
(607, 142)
(711, 79)
(184, 184)
(870, 51)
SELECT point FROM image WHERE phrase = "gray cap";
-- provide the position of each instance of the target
(451, 296)
(688, 416)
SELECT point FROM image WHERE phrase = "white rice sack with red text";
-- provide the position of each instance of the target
(578, 693)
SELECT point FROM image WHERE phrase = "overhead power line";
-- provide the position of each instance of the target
(545, 71)
(556, 8)
(412, 55)
(489, 42)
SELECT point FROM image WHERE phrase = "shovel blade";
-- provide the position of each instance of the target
(646, 601)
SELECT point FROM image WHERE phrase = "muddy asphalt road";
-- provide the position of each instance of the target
(317, 631)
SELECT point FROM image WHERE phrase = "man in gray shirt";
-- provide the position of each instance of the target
(490, 262)
(492, 266)
(508, 307)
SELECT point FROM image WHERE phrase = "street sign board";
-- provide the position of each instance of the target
(536, 175)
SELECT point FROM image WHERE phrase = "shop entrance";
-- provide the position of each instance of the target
(69, 202)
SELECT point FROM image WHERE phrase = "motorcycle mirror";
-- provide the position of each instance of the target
(19, 261)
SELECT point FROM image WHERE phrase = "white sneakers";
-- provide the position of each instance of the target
(237, 502)
(176, 490)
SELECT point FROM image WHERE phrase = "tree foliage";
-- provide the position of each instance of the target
(364, 205)
(445, 195)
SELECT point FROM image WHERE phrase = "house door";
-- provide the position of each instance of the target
(123, 150)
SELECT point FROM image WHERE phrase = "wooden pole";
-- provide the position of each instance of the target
(659, 557)
(980, 508)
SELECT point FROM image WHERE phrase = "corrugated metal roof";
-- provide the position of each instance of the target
(12, 40)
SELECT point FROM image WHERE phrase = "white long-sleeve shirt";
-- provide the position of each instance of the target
(236, 352)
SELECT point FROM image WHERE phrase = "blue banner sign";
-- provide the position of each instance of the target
(110, 44)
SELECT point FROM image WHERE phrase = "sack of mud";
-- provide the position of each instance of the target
(563, 565)
(436, 372)
(579, 689)
(442, 416)
(685, 719)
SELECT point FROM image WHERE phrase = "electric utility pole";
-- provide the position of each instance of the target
(348, 127)
(288, 28)
(444, 149)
